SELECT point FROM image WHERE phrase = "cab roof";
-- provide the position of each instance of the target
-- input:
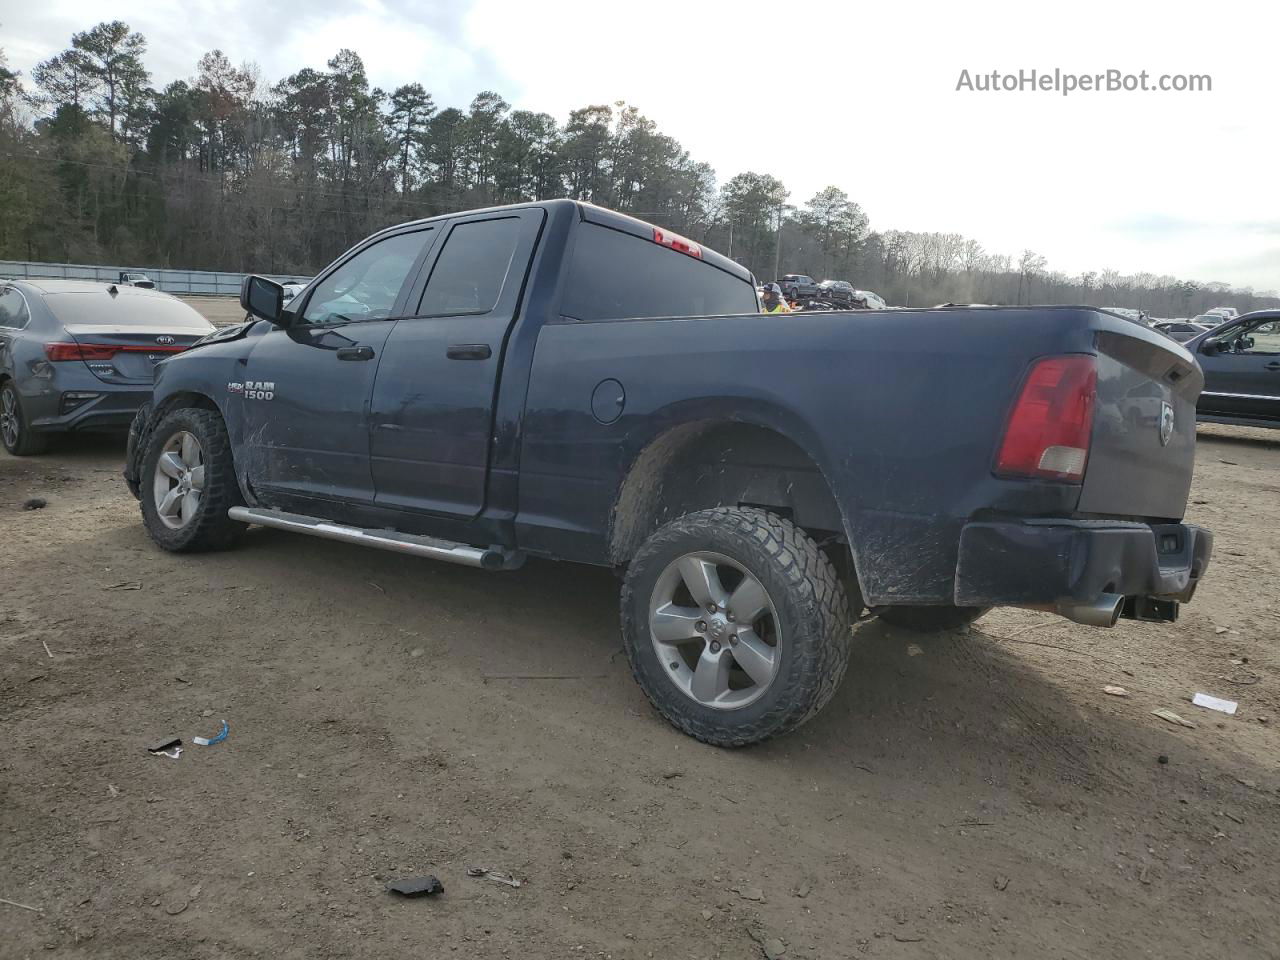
(589, 212)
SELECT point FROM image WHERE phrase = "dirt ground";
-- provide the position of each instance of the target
(975, 795)
(220, 311)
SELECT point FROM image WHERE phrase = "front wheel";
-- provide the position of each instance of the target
(188, 482)
(923, 619)
(736, 625)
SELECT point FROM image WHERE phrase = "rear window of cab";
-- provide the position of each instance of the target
(617, 276)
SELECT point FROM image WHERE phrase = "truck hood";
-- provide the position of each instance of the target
(236, 331)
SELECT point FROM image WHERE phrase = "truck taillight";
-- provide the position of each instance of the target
(676, 242)
(1048, 433)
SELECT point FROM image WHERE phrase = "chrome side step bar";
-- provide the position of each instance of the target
(491, 558)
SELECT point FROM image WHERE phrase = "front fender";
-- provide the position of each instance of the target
(205, 376)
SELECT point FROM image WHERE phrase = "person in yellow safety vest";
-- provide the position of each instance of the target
(772, 300)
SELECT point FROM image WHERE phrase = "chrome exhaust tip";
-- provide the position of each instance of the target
(1102, 612)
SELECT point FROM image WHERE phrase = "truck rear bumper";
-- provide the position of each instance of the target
(1055, 562)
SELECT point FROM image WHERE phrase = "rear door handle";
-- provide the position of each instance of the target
(469, 351)
(355, 353)
(1273, 365)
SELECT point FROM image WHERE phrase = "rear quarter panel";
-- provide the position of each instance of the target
(900, 410)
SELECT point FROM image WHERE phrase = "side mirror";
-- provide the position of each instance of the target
(263, 299)
(1209, 348)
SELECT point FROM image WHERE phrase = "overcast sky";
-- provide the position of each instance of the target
(863, 96)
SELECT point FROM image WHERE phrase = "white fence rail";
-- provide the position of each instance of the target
(181, 282)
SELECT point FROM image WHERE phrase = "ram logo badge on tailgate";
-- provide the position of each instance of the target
(1166, 423)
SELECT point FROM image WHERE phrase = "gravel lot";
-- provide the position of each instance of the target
(966, 795)
(220, 311)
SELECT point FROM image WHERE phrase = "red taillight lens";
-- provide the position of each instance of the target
(1049, 429)
(676, 242)
(58, 352)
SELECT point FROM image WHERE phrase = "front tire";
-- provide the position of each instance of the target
(736, 625)
(188, 483)
(15, 431)
(923, 619)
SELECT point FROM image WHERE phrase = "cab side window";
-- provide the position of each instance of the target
(13, 309)
(472, 269)
(367, 285)
(1260, 338)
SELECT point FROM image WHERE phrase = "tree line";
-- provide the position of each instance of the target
(226, 171)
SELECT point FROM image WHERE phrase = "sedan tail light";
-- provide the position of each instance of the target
(60, 352)
(1049, 428)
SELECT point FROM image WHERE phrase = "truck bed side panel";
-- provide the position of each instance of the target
(899, 410)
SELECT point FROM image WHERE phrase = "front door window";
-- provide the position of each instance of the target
(367, 285)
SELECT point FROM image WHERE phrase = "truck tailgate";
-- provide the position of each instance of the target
(1144, 428)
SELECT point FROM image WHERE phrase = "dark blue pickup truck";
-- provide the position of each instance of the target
(557, 380)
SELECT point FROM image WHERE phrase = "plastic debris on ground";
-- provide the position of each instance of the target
(171, 748)
(484, 873)
(424, 886)
(1115, 691)
(1214, 703)
(1170, 717)
(209, 741)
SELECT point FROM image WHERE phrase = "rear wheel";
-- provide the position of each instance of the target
(736, 625)
(15, 432)
(188, 482)
(931, 619)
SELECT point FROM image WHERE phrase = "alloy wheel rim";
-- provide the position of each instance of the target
(715, 631)
(178, 483)
(9, 417)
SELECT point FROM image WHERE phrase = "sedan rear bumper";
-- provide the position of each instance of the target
(1072, 562)
(112, 408)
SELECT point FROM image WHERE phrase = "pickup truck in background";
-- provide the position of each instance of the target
(557, 380)
(136, 280)
(796, 286)
(1241, 363)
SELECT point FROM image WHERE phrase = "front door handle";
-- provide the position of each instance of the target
(469, 351)
(355, 353)
(1273, 365)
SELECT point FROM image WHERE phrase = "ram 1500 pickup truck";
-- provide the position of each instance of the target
(556, 380)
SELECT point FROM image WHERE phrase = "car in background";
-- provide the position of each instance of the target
(1227, 313)
(292, 289)
(1127, 312)
(135, 279)
(1180, 330)
(78, 355)
(873, 301)
(1209, 319)
(1241, 364)
(797, 286)
(837, 291)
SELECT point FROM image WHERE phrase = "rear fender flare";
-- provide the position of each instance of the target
(668, 424)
